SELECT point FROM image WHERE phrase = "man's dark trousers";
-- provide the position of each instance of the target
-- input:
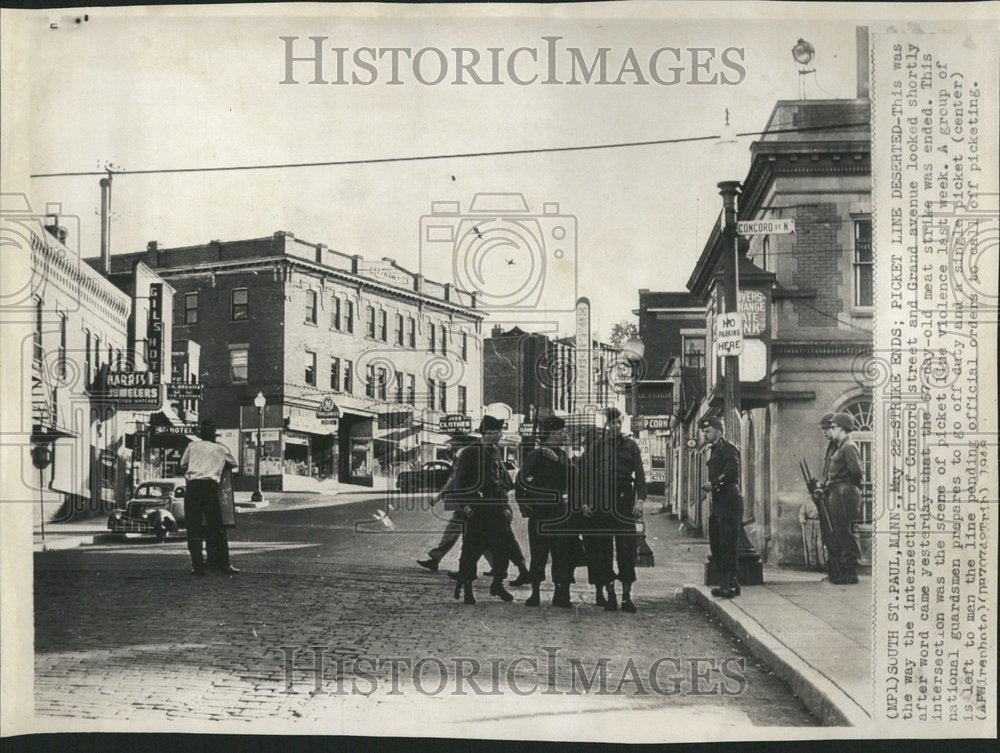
(203, 518)
(724, 538)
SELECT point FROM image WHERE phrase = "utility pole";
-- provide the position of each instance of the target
(729, 190)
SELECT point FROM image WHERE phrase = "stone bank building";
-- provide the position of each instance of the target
(388, 351)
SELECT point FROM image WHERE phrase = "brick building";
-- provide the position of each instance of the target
(532, 370)
(806, 300)
(387, 350)
(672, 327)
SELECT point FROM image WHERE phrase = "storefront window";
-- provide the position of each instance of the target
(861, 411)
(296, 461)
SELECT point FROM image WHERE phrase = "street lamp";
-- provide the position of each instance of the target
(260, 401)
(41, 456)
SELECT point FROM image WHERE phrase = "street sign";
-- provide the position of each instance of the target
(655, 423)
(327, 409)
(455, 423)
(766, 227)
(728, 331)
(185, 391)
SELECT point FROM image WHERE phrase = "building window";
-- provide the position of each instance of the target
(383, 383)
(239, 305)
(348, 377)
(465, 346)
(335, 320)
(694, 351)
(335, 374)
(118, 359)
(310, 307)
(411, 389)
(383, 326)
(463, 400)
(861, 411)
(88, 366)
(431, 339)
(399, 329)
(97, 355)
(443, 401)
(444, 340)
(399, 386)
(863, 264)
(370, 380)
(371, 321)
(190, 308)
(413, 333)
(239, 359)
(765, 246)
(431, 394)
(310, 373)
(349, 316)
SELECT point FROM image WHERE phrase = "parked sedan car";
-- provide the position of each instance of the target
(155, 507)
(431, 476)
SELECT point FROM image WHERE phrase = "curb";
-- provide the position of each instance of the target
(62, 542)
(252, 505)
(830, 704)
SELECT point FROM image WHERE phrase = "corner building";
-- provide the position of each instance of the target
(388, 351)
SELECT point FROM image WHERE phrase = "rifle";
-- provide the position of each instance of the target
(818, 496)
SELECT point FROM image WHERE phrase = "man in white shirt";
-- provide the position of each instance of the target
(203, 462)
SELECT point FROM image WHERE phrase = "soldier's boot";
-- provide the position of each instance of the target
(561, 598)
(497, 589)
(523, 576)
(627, 605)
(535, 599)
(599, 598)
(611, 604)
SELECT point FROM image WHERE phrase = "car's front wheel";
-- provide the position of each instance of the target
(160, 531)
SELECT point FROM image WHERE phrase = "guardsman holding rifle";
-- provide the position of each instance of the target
(842, 486)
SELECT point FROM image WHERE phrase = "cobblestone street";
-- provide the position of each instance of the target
(123, 631)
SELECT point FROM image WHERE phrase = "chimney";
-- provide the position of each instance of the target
(54, 229)
(106, 225)
(863, 62)
(497, 330)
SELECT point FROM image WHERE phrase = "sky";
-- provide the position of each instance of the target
(150, 90)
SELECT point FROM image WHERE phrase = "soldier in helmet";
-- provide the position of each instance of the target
(822, 508)
(617, 481)
(480, 485)
(842, 486)
(540, 490)
(726, 517)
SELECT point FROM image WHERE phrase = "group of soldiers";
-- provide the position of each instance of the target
(838, 498)
(581, 510)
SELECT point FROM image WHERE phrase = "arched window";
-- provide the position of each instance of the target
(860, 409)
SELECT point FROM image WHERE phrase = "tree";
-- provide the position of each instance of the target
(622, 331)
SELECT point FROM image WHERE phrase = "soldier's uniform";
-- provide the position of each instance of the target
(844, 474)
(481, 484)
(618, 479)
(541, 486)
(726, 517)
(823, 509)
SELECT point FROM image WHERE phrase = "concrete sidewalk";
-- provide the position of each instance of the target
(814, 635)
